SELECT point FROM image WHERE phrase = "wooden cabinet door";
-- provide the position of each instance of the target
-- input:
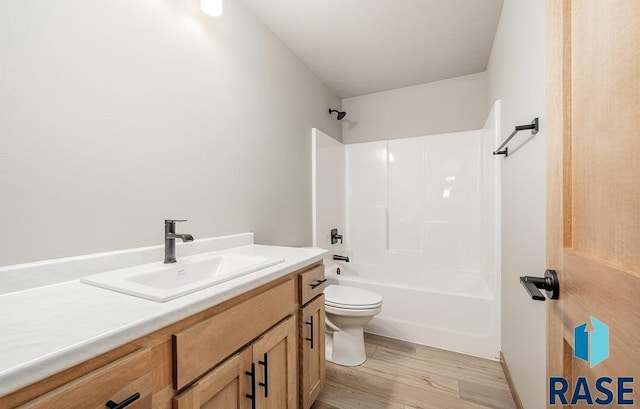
(275, 358)
(593, 195)
(225, 387)
(312, 361)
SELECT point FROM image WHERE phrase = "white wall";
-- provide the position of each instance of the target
(516, 75)
(116, 114)
(328, 179)
(452, 105)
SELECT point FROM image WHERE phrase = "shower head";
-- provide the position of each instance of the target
(341, 114)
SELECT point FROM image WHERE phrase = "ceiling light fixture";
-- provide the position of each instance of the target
(211, 7)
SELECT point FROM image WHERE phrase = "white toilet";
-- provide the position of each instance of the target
(347, 310)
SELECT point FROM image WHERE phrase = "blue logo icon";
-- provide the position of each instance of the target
(591, 346)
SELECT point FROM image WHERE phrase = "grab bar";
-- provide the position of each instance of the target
(534, 126)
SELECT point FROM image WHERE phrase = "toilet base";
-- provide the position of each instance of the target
(345, 347)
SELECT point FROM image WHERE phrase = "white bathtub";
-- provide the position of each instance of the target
(454, 311)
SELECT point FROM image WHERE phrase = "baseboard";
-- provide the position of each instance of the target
(512, 386)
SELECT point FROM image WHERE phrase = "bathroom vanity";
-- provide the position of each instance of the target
(262, 347)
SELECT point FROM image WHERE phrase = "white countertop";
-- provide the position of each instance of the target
(48, 329)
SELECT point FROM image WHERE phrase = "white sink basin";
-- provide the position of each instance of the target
(163, 282)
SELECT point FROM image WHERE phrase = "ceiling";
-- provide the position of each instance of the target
(359, 47)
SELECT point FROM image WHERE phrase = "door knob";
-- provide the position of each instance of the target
(549, 283)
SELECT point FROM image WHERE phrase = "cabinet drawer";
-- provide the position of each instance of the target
(202, 346)
(312, 284)
(116, 382)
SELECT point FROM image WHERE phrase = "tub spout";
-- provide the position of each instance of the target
(341, 258)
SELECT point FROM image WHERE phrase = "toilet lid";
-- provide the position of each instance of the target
(342, 296)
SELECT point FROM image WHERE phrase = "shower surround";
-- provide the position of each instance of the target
(422, 230)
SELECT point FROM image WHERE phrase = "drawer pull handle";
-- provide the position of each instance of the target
(113, 405)
(317, 283)
(252, 396)
(310, 324)
(265, 384)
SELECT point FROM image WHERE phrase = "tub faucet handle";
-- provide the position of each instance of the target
(335, 236)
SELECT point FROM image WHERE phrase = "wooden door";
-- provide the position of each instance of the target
(275, 357)
(594, 191)
(225, 387)
(312, 361)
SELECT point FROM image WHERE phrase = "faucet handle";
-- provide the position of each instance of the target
(173, 221)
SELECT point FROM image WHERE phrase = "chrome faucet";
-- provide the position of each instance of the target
(170, 237)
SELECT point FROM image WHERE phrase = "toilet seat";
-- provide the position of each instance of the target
(342, 297)
(350, 312)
